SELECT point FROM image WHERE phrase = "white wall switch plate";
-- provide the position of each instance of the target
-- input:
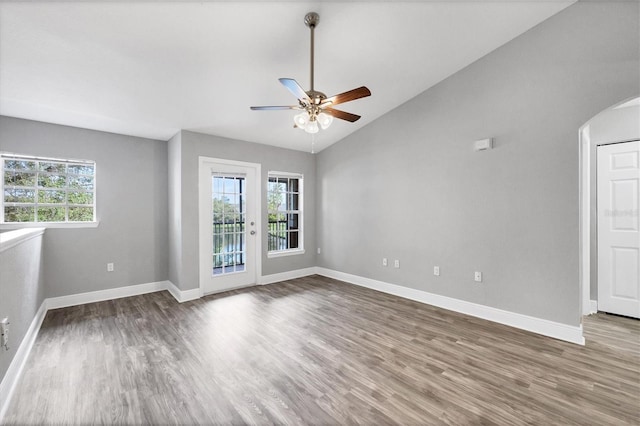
(478, 277)
(436, 270)
(384, 261)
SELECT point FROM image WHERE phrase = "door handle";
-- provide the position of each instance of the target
(253, 232)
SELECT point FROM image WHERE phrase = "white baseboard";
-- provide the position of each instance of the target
(10, 379)
(102, 295)
(288, 275)
(183, 295)
(572, 334)
(593, 307)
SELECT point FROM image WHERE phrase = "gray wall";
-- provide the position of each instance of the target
(409, 186)
(22, 292)
(131, 175)
(194, 145)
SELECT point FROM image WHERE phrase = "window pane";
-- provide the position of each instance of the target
(284, 212)
(51, 214)
(19, 195)
(80, 169)
(19, 165)
(81, 182)
(51, 197)
(217, 185)
(52, 167)
(80, 197)
(217, 243)
(19, 179)
(293, 201)
(51, 181)
(19, 214)
(292, 221)
(81, 214)
(42, 187)
(229, 185)
(293, 239)
(293, 185)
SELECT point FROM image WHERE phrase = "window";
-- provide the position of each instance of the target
(284, 200)
(47, 190)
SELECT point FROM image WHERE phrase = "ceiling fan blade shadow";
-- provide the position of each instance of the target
(351, 95)
(272, 108)
(347, 116)
(295, 88)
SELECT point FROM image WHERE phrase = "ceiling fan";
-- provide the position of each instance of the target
(317, 108)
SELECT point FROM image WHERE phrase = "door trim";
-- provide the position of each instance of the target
(203, 216)
(584, 193)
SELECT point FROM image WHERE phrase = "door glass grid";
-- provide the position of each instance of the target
(229, 234)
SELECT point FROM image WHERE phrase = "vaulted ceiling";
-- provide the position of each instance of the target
(152, 68)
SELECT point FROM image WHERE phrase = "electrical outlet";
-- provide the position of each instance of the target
(436, 270)
(384, 261)
(396, 263)
(109, 267)
(478, 277)
(4, 333)
(319, 250)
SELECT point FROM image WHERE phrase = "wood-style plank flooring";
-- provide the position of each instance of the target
(318, 351)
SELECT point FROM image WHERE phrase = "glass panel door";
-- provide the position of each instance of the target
(229, 231)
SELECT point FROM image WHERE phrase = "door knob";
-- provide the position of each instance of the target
(253, 232)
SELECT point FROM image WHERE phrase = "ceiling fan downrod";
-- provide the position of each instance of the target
(311, 20)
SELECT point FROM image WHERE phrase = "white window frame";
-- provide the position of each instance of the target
(66, 224)
(299, 212)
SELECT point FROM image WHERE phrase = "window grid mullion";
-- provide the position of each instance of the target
(37, 173)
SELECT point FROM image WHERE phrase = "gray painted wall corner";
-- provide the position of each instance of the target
(410, 187)
(131, 198)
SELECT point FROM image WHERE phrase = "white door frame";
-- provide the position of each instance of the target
(204, 219)
(584, 153)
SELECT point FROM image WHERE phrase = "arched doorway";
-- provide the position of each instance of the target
(616, 124)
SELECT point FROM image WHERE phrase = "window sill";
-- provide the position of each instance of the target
(23, 225)
(284, 253)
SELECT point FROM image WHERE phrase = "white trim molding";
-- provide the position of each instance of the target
(102, 295)
(288, 275)
(10, 380)
(183, 295)
(568, 333)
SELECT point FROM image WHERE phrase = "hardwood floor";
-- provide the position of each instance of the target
(318, 351)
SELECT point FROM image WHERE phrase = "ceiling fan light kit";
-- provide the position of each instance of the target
(317, 109)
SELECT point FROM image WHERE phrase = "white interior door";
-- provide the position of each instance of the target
(618, 228)
(228, 224)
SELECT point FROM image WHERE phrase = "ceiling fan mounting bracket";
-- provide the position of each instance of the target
(311, 19)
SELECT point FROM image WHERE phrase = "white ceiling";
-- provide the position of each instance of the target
(150, 69)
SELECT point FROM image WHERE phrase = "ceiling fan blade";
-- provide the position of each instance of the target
(351, 95)
(347, 116)
(295, 88)
(268, 108)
